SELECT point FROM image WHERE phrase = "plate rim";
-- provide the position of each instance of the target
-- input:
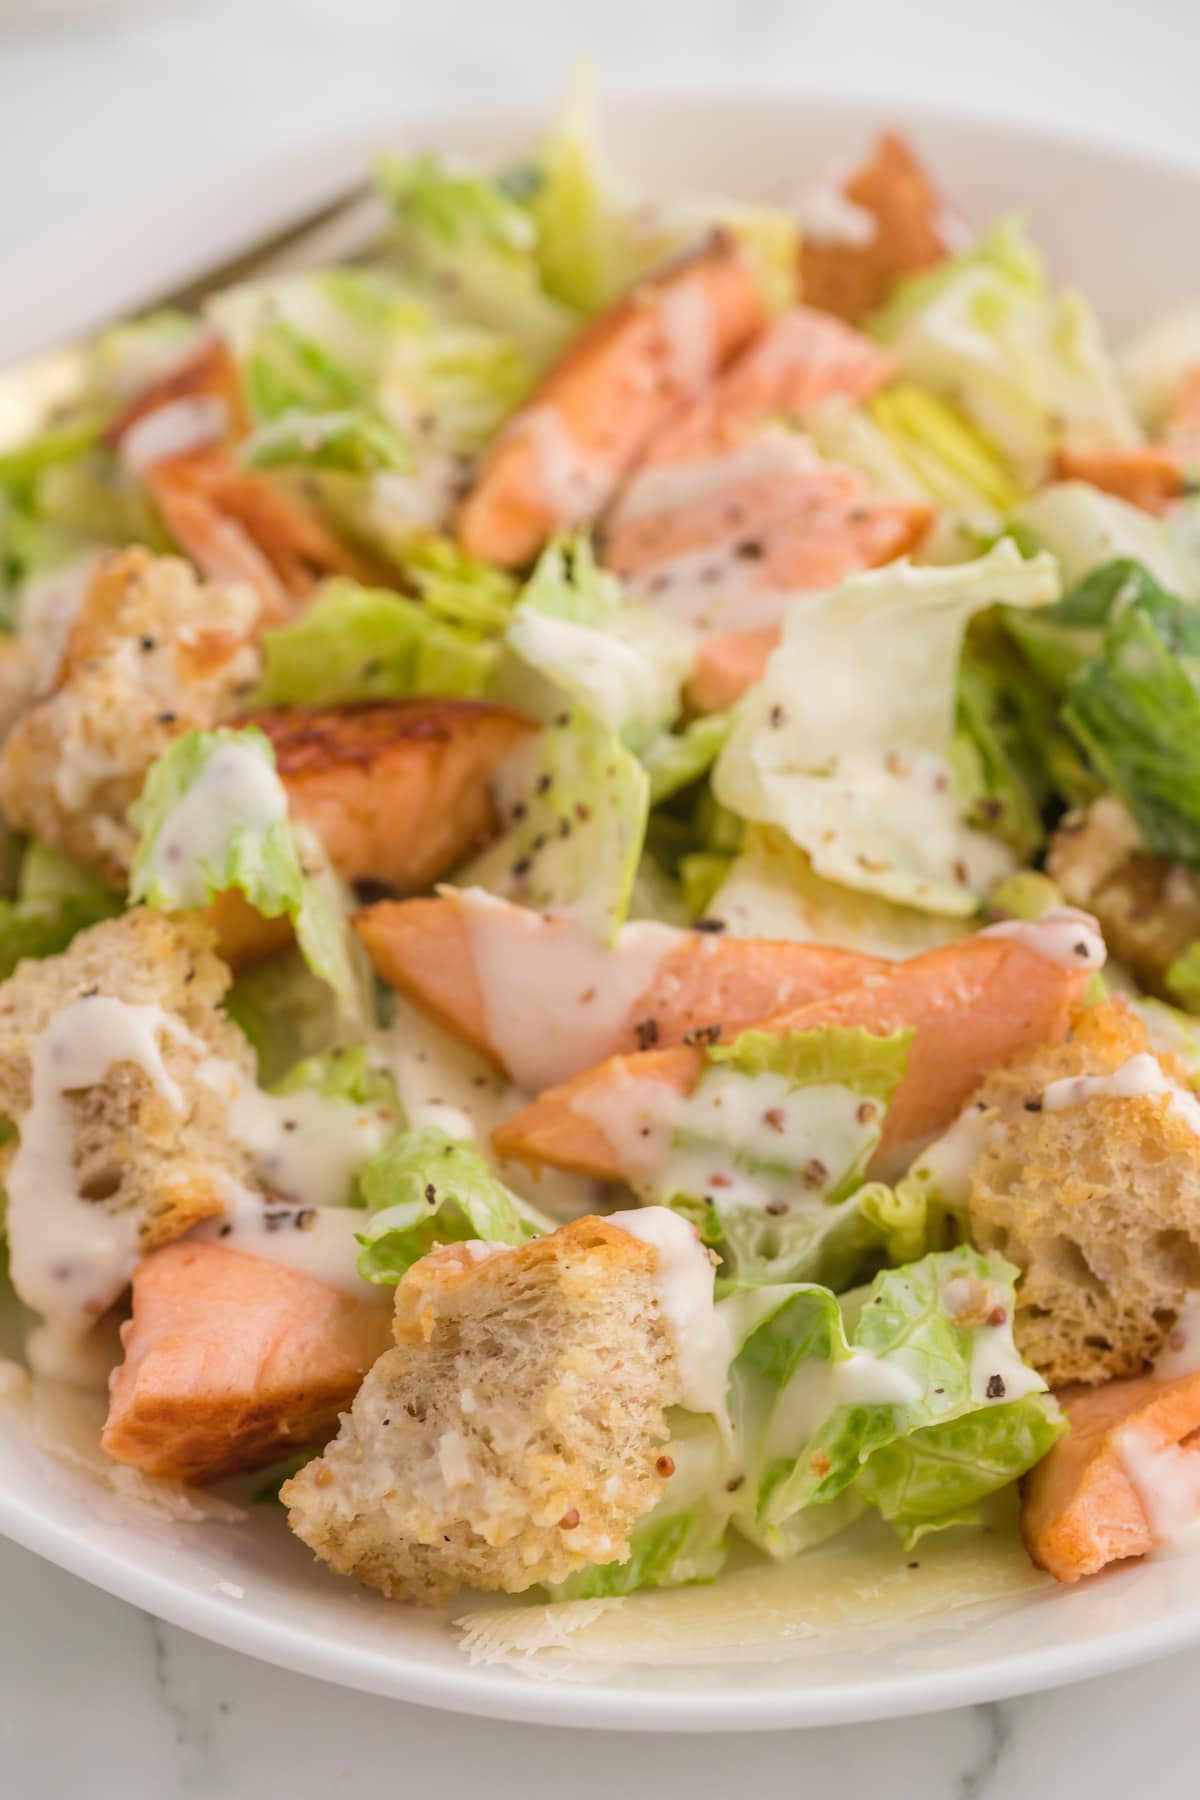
(305, 173)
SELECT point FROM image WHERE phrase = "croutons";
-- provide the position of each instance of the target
(512, 1434)
(1098, 1204)
(1148, 908)
(153, 653)
(133, 1148)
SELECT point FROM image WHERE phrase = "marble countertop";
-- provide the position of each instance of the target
(102, 100)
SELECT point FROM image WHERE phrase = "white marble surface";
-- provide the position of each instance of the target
(95, 1697)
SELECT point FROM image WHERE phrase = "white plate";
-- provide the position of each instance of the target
(1117, 224)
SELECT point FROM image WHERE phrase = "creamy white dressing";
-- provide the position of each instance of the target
(1166, 1479)
(555, 1000)
(946, 1165)
(1136, 1078)
(687, 326)
(684, 1275)
(1180, 1355)
(307, 1148)
(54, 1354)
(574, 487)
(189, 423)
(70, 1257)
(1064, 936)
(817, 1388)
(236, 789)
(314, 1240)
(50, 604)
(713, 589)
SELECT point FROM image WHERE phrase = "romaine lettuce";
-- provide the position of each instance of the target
(1087, 529)
(213, 815)
(425, 1188)
(55, 899)
(845, 744)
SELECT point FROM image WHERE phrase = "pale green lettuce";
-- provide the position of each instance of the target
(54, 900)
(1028, 367)
(846, 742)
(1086, 529)
(213, 816)
(575, 802)
(426, 1188)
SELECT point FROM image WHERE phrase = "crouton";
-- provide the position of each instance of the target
(512, 1435)
(1148, 908)
(133, 1148)
(152, 654)
(1098, 1204)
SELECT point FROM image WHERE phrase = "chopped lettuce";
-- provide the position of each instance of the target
(473, 244)
(675, 759)
(212, 816)
(954, 464)
(1154, 364)
(1135, 709)
(425, 1188)
(770, 890)
(356, 643)
(575, 802)
(768, 1154)
(55, 899)
(845, 744)
(907, 1397)
(286, 1012)
(1027, 367)
(610, 655)
(999, 772)
(1087, 529)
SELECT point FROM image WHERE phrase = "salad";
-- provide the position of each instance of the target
(601, 867)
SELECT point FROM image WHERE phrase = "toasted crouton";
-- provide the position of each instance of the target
(512, 1434)
(1098, 1204)
(153, 653)
(133, 1148)
(1148, 908)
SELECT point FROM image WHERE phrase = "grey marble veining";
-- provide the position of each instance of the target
(95, 1697)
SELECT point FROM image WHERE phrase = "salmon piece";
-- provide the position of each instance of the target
(726, 664)
(1147, 475)
(232, 1361)
(909, 234)
(559, 460)
(1082, 1509)
(207, 372)
(398, 791)
(424, 948)
(973, 1004)
(805, 357)
(241, 525)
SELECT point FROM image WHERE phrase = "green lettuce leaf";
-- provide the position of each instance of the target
(1027, 367)
(845, 744)
(617, 659)
(675, 759)
(213, 816)
(286, 1012)
(355, 643)
(425, 1188)
(576, 803)
(55, 899)
(1087, 529)
(768, 1154)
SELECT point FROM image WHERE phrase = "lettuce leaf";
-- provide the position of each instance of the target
(1087, 529)
(356, 643)
(845, 744)
(286, 1012)
(675, 759)
(1027, 367)
(213, 816)
(55, 899)
(426, 1188)
(576, 803)
(768, 1154)
(607, 654)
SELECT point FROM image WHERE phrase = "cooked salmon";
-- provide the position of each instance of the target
(206, 372)
(559, 460)
(244, 935)
(905, 230)
(232, 1361)
(398, 791)
(1147, 475)
(973, 1004)
(805, 357)
(725, 665)
(1082, 1508)
(239, 524)
(702, 981)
